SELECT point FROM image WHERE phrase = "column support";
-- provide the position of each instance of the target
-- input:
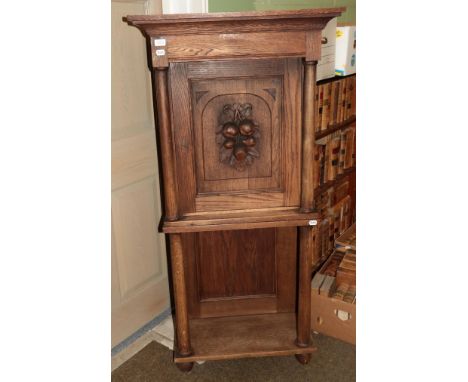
(308, 136)
(180, 296)
(166, 142)
(306, 254)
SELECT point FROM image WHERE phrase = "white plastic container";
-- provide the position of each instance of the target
(345, 53)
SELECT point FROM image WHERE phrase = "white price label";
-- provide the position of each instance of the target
(312, 222)
(160, 52)
(160, 42)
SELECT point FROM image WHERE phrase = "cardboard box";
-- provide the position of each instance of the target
(345, 53)
(334, 318)
(326, 64)
(330, 315)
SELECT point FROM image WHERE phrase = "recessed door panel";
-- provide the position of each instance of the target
(236, 263)
(241, 272)
(240, 133)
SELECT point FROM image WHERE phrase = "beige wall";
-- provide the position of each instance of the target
(348, 17)
(139, 269)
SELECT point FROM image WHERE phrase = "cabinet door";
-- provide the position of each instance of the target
(139, 276)
(237, 132)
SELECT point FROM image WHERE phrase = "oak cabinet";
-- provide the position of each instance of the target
(234, 96)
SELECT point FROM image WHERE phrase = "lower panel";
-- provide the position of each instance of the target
(242, 337)
(241, 272)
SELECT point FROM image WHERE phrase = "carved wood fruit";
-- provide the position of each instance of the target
(249, 142)
(229, 143)
(230, 130)
(237, 134)
(240, 153)
(246, 127)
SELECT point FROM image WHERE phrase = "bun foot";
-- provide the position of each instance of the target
(303, 359)
(185, 366)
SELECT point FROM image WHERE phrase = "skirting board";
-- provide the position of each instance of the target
(137, 341)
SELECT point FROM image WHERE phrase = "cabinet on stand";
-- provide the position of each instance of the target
(235, 105)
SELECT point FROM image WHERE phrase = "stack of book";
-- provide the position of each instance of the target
(347, 240)
(341, 213)
(345, 292)
(325, 241)
(337, 277)
(333, 300)
(323, 201)
(335, 207)
(340, 191)
(346, 244)
(333, 155)
(347, 267)
(331, 267)
(335, 102)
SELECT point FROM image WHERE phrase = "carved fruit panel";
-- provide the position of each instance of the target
(219, 164)
(237, 134)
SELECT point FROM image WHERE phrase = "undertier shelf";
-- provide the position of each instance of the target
(258, 335)
(285, 217)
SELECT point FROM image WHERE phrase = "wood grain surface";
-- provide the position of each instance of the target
(235, 34)
(231, 45)
(228, 22)
(254, 273)
(248, 336)
(242, 233)
(166, 144)
(240, 220)
(246, 266)
(199, 92)
(180, 296)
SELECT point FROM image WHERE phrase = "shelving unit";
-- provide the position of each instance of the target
(332, 129)
(339, 178)
(334, 196)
